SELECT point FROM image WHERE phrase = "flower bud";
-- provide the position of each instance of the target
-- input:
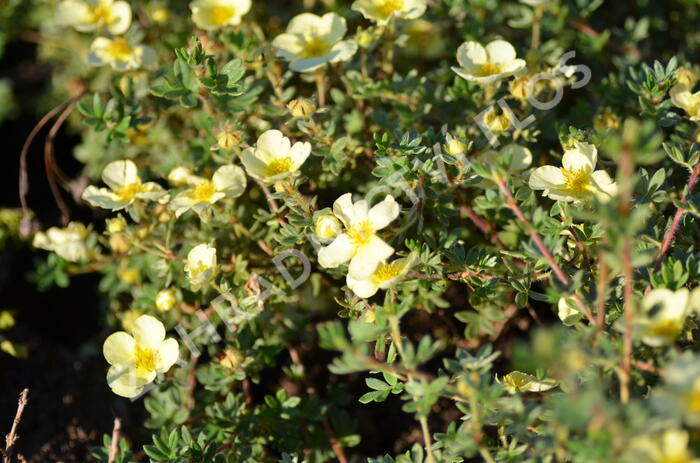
(165, 300)
(232, 359)
(686, 76)
(455, 146)
(364, 38)
(301, 107)
(160, 15)
(118, 243)
(606, 120)
(518, 88)
(327, 227)
(129, 318)
(130, 276)
(116, 225)
(179, 176)
(497, 122)
(227, 139)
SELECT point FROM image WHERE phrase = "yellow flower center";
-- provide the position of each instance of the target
(488, 69)
(220, 15)
(119, 49)
(203, 192)
(386, 272)
(101, 14)
(279, 166)
(692, 400)
(517, 382)
(388, 7)
(682, 457)
(361, 233)
(314, 47)
(145, 360)
(669, 329)
(129, 192)
(577, 182)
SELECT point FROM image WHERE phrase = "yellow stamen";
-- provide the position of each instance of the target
(361, 233)
(386, 272)
(119, 49)
(203, 192)
(220, 15)
(279, 166)
(315, 47)
(577, 182)
(488, 69)
(102, 14)
(669, 329)
(389, 7)
(129, 192)
(145, 360)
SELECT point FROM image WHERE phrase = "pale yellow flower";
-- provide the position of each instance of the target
(228, 181)
(383, 11)
(125, 187)
(384, 276)
(327, 227)
(301, 107)
(165, 300)
(682, 97)
(686, 76)
(517, 381)
(485, 65)
(68, 243)
(214, 14)
(568, 311)
(274, 158)
(424, 39)
(663, 315)
(138, 357)
(312, 41)
(455, 146)
(576, 180)
(359, 242)
(120, 54)
(520, 159)
(670, 447)
(200, 267)
(92, 15)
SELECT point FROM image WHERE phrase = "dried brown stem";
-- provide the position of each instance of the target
(11, 437)
(114, 445)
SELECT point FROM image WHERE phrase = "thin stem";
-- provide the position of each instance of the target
(561, 276)
(427, 441)
(321, 87)
(12, 437)
(114, 445)
(537, 27)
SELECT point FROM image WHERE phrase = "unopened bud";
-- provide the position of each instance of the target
(327, 227)
(227, 139)
(687, 77)
(518, 88)
(497, 122)
(455, 147)
(301, 107)
(116, 225)
(165, 300)
(606, 120)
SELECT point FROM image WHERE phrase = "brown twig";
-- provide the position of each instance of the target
(114, 445)
(589, 31)
(23, 176)
(485, 227)
(52, 171)
(271, 201)
(11, 438)
(335, 445)
(671, 232)
(561, 276)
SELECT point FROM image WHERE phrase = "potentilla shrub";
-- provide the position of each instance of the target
(474, 216)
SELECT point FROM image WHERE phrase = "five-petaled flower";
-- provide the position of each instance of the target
(576, 180)
(384, 276)
(682, 97)
(125, 187)
(214, 14)
(92, 15)
(663, 314)
(383, 11)
(228, 181)
(359, 242)
(137, 358)
(485, 65)
(120, 54)
(274, 158)
(68, 243)
(200, 267)
(312, 41)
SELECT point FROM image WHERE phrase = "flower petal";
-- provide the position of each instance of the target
(471, 55)
(299, 153)
(546, 177)
(121, 12)
(368, 257)
(344, 210)
(125, 382)
(364, 288)
(582, 156)
(500, 51)
(120, 173)
(341, 250)
(168, 354)
(230, 180)
(119, 348)
(384, 213)
(148, 332)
